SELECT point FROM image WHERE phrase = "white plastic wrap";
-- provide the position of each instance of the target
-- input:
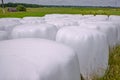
(46, 31)
(106, 27)
(60, 23)
(91, 47)
(114, 18)
(54, 16)
(99, 18)
(63, 20)
(32, 20)
(10, 19)
(37, 59)
(3, 35)
(60, 16)
(8, 25)
(117, 25)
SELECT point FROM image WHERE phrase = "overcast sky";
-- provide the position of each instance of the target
(71, 2)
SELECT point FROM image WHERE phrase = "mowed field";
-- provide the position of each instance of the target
(61, 10)
(113, 72)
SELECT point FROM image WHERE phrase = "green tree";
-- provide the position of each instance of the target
(20, 8)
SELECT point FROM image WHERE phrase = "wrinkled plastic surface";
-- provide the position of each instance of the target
(8, 25)
(3, 35)
(60, 23)
(106, 27)
(114, 18)
(99, 18)
(37, 59)
(32, 20)
(61, 20)
(10, 19)
(91, 47)
(46, 31)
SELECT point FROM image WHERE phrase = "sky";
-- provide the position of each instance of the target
(113, 3)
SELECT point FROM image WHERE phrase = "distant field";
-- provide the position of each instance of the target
(61, 10)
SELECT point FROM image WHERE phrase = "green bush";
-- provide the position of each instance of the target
(20, 8)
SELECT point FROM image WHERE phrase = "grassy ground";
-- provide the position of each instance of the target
(114, 60)
(43, 11)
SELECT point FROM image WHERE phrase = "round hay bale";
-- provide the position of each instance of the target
(46, 31)
(91, 48)
(37, 59)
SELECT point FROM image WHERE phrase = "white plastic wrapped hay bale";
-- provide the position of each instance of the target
(10, 19)
(114, 18)
(63, 20)
(55, 16)
(32, 20)
(106, 27)
(91, 47)
(8, 25)
(99, 18)
(37, 59)
(117, 25)
(93, 19)
(3, 35)
(46, 31)
(60, 16)
(60, 23)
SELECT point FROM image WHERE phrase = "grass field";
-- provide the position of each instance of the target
(114, 61)
(61, 10)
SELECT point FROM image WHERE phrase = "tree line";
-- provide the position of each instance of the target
(36, 5)
(24, 4)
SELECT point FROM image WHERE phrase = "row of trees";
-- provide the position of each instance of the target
(19, 6)
(24, 4)
(10, 4)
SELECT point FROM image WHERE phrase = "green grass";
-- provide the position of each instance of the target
(61, 10)
(114, 61)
